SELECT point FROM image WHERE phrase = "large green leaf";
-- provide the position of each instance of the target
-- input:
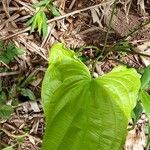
(83, 113)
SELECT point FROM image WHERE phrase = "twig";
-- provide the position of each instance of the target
(55, 19)
(134, 52)
(76, 12)
(72, 4)
(32, 47)
(27, 5)
(10, 19)
(8, 73)
(18, 136)
(15, 34)
(136, 29)
(12, 135)
(120, 62)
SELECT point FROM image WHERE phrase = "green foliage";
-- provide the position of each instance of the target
(8, 148)
(12, 93)
(9, 52)
(137, 111)
(22, 87)
(5, 110)
(53, 10)
(39, 20)
(123, 46)
(27, 93)
(145, 79)
(82, 112)
(42, 3)
(145, 98)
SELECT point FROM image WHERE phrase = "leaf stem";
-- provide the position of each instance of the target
(135, 30)
(109, 27)
(106, 38)
(134, 52)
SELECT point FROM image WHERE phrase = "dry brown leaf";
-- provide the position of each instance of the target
(145, 49)
(142, 6)
(95, 16)
(136, 139)
(34, 106)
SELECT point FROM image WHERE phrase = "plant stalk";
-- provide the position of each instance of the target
(106, 37)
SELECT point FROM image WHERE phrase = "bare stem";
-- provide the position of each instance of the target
(136, 29)
(106, 37)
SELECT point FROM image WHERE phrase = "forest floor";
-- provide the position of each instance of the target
(82, 24)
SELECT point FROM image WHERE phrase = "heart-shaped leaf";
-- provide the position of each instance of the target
(83, 113)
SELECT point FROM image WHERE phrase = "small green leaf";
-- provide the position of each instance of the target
(8, 148)
(0, 85)
(30, 21)
(123, 46)
(145, 79)
(10, 46)
(40, 22)
(5, 111)
(45, 25)
(3, 97)
(42, 3)
(9, 53)
(18, 51)
(4, 59)
(137, 111)
(1, 44)
(145, 98)
(54, 10)
(20, 139)
(28, 93)
(34, 23)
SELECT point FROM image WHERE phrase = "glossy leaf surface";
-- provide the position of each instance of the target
(83, 113)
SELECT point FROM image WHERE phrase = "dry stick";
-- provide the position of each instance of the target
(134, 52)
(15, 34)
(12, 18)
(18, 136)
(55, 19)
(8, 73)
(76, 12)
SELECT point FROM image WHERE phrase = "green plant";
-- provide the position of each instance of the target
(5, 109)
(13, 93)
(8, 52)
(39, 20)
(82, 112)
(22, 87)
(49, 5)
(145, 97)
